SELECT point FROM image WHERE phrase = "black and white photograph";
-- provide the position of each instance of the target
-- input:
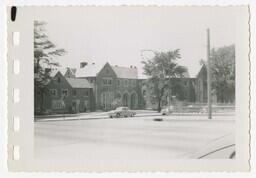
(138, 85)
(132, 85)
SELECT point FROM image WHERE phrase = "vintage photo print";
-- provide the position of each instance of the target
(128, 88)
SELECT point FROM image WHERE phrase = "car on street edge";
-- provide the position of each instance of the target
(121, 112)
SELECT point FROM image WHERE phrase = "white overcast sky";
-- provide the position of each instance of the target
(118, 34)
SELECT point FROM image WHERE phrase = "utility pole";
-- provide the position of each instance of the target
(209, 90)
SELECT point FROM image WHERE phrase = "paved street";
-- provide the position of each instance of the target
(134, 138)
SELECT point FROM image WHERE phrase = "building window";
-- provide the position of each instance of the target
(144, 93)
(118, 82)
(74, 92)
(126, 83)
(106, 99)
(86, 93)
(65, 92)
(58, 79)
(107, 81)
(53, 92)
(58, 104)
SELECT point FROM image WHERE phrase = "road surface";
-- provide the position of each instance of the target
(137, 138)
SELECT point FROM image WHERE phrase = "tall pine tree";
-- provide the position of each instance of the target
(45, 52)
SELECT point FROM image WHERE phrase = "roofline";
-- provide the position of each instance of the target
(75, 78)
(103, 68)
(62, 76)
(204, 65)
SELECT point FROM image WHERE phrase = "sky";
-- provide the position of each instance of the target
(118, 34)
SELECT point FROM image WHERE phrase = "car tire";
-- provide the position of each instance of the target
(118, 115)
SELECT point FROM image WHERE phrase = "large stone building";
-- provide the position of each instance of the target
(201, 87)
(65, 95)
(112, 83)
(93, 87)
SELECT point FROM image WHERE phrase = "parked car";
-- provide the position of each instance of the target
(121, 112)
(167, 110)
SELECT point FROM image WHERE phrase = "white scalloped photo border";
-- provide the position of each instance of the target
(21, 102)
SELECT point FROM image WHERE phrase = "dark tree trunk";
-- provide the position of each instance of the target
(42, 101)
(159, 105)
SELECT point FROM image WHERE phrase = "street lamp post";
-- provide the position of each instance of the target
(209, 97)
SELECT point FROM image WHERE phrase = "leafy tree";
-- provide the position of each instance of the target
(222, 61)
(160, 70)
(44, 53)
(223, 73)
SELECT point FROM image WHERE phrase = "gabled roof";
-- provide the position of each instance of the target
(78, 83)
(54, 71)
(203, 69)
(90, 70)
(125, 72)
(73, 70)
(62, 70)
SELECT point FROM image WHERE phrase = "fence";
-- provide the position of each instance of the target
(186, 107)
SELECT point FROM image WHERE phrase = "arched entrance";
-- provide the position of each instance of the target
(125, 99)
(134, 101)
(106, 100)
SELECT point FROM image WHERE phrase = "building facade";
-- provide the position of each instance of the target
(93, 87)
(117, 84)
(201, 94)
(68, 95)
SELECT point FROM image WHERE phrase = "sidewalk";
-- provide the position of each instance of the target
(104, 115)
(67, 115)
(88, 113)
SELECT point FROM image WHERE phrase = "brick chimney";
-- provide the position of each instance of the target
(47, 70)
(83, 64)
